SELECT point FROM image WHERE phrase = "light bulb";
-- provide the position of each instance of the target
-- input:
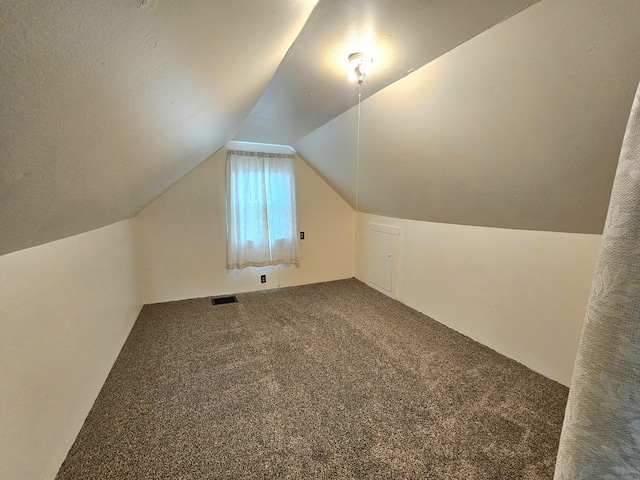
(359, 66)
(365, 66)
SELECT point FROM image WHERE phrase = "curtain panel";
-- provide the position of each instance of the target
(261, 210)
(601, 432)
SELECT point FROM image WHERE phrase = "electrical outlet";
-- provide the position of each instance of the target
(263, 279)
(301, 235)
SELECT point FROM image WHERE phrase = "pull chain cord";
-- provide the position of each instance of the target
(358, 147)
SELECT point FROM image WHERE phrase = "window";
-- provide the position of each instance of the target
(261, 210)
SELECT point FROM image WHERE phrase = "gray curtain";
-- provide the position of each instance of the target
(601, 433)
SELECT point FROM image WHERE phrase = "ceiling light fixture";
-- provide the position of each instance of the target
(359, 66)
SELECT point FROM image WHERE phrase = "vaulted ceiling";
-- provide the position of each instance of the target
(310, 86)
(520, 127)
(506, 113)
(107, 104)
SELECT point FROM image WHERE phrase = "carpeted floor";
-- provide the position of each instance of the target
(332, 380)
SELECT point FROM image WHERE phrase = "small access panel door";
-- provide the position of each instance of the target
(382, 250)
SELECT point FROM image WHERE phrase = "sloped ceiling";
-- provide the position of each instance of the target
(105, 104)
(520, 127)
(310, 86)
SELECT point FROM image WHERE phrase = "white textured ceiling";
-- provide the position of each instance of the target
(107, 104)
(310, 86)
(520, 127)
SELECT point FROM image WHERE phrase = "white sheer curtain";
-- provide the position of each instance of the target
(601, 433)
(261, 210)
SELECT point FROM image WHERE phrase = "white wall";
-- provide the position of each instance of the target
(522, 293)
(66, 308)
(183, 237)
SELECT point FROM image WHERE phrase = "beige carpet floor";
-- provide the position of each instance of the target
(333, 380)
